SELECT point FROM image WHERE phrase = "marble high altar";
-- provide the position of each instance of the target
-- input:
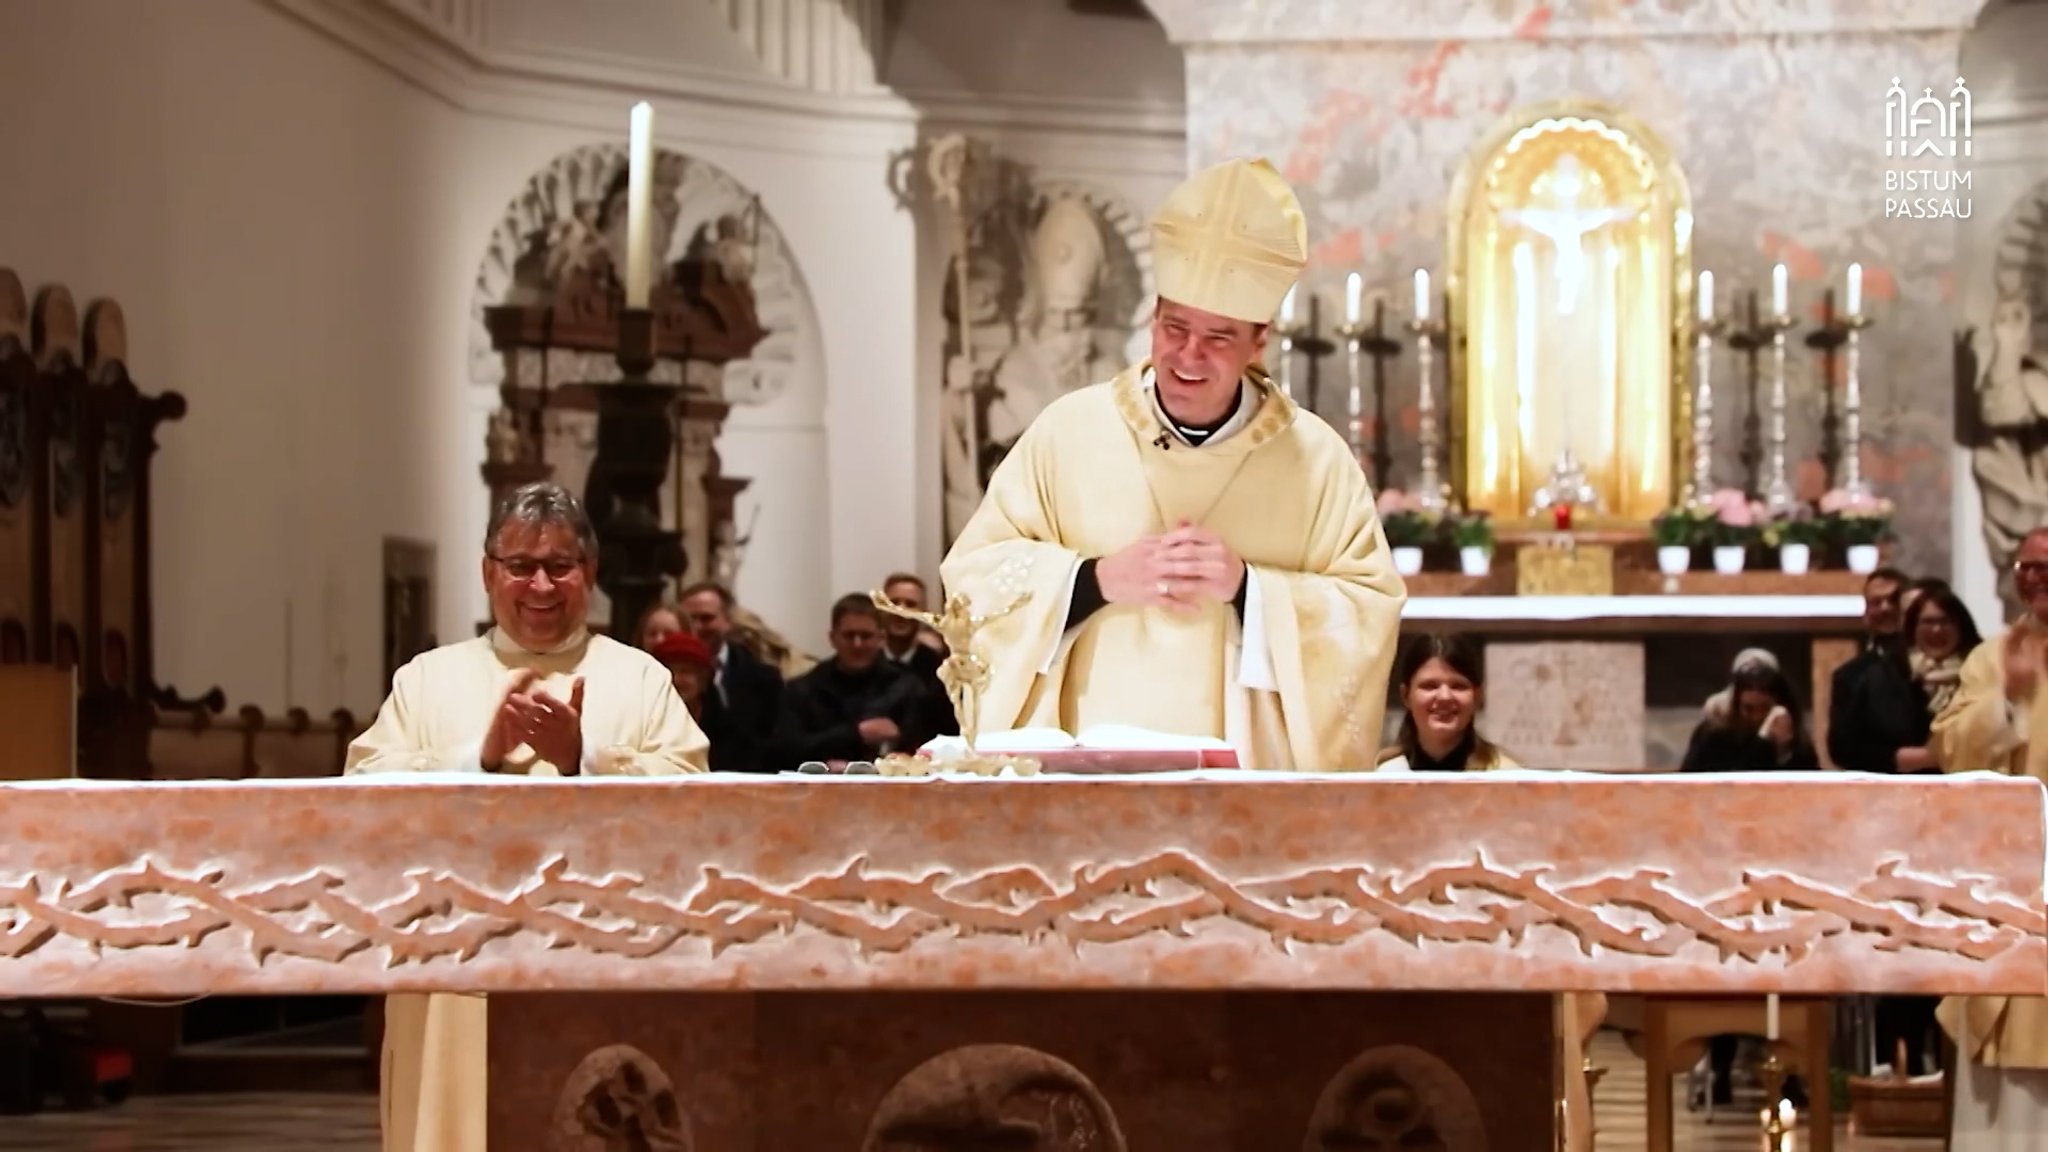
(752, 965)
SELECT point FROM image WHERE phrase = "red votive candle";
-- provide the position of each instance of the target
(1562, 513)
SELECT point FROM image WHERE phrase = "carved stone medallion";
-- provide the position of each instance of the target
(1396, 1099)
(987, 1096)
(619, 1100)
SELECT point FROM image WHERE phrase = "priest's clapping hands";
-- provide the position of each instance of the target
(553, 728)
(1181, 569)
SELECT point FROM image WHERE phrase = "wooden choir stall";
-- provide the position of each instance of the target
(1062, 963)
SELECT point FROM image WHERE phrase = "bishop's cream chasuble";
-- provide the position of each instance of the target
(1301, 685)
(432, 1084)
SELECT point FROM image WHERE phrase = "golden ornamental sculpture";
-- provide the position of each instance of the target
(966, 676)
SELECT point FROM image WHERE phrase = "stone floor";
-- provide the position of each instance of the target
(269, 1123)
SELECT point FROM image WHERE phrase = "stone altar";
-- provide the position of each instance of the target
(866, 963)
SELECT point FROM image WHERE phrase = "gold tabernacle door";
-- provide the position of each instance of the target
(1570, 237)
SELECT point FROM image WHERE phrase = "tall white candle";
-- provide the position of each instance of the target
(1855, 289)
(1422, 293)
(1354, 297)
(1778, 290)
(1287, 308)
(1706, 295)
(1771, 1003)
(640, 208)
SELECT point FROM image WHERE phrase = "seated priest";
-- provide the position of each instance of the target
(537, 695)
(855, 706)
(1994, 723)
(1181, 548)
(1443, 687)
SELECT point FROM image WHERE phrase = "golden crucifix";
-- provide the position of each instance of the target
(964, 673)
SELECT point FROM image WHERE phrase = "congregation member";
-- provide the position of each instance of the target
(857, 705)
(689, 664)
(1877, 719)
(540, 695)
(657, 624)
(1992, 723)
(1182, 548)
(1718, 705)
(1941, 634)
(1442, 682)
(916, 647)
(1763, 730)
(744, 700)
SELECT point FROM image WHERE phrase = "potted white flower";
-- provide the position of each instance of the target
(1675, 530)
(1794, 536)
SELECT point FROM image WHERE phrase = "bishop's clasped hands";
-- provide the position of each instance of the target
(1181, 569)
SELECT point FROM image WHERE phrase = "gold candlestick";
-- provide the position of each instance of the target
(966, 675)
(1776, 1126)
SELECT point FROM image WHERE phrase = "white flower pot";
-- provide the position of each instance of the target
(1728, 558)
(1407, 561)
(1863, 559)
(1674, 559)
(1794, 559)
(1475, 560)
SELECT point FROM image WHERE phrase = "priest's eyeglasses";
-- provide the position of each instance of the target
(523, 568)
(2033, 568)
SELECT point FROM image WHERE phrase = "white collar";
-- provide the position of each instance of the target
(503, 643)
(1247, 407)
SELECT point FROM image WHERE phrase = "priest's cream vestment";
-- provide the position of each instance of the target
(2002, 1041)
(1300, 683)
(441, 705)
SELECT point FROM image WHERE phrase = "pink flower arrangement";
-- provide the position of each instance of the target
(1393, 501)
(1734, 509)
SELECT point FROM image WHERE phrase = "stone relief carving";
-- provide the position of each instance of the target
(1059, 296)
(619, 1100)
(1396, 1099)
(993, 1096)
(571, 216)
(446, 916)
(2004, 417)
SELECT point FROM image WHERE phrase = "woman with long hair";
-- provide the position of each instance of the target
(1940, 633)
(1765, 730)
(1443, 687)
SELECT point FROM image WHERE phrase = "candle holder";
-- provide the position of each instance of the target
(1845, 333)
(634, 441)
(1302, 339)
(1430, 487)
(1777, 485)
(1777, 1133)
(1700, 489)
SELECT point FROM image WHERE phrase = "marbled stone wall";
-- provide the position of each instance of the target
(1774, 108)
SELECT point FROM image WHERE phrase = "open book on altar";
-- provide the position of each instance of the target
(1104, 748)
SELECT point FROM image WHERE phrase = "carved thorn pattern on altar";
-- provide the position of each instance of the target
(1171, 892)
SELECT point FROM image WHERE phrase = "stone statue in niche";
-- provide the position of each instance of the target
(619, 1100)
(993, 1096)
(1058, 290)
(570, 220)
(1396, 1099)
(2005, 417)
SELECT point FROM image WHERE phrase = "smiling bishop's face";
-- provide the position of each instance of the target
(1199, 358)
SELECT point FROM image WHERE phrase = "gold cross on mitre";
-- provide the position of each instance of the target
(1232, 241)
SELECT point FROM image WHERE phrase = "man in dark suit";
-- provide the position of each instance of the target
(1874, 709)
(916, 648)
(745, 694)
(857, 705)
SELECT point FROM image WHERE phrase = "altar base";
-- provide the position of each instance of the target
(1102, 1071)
